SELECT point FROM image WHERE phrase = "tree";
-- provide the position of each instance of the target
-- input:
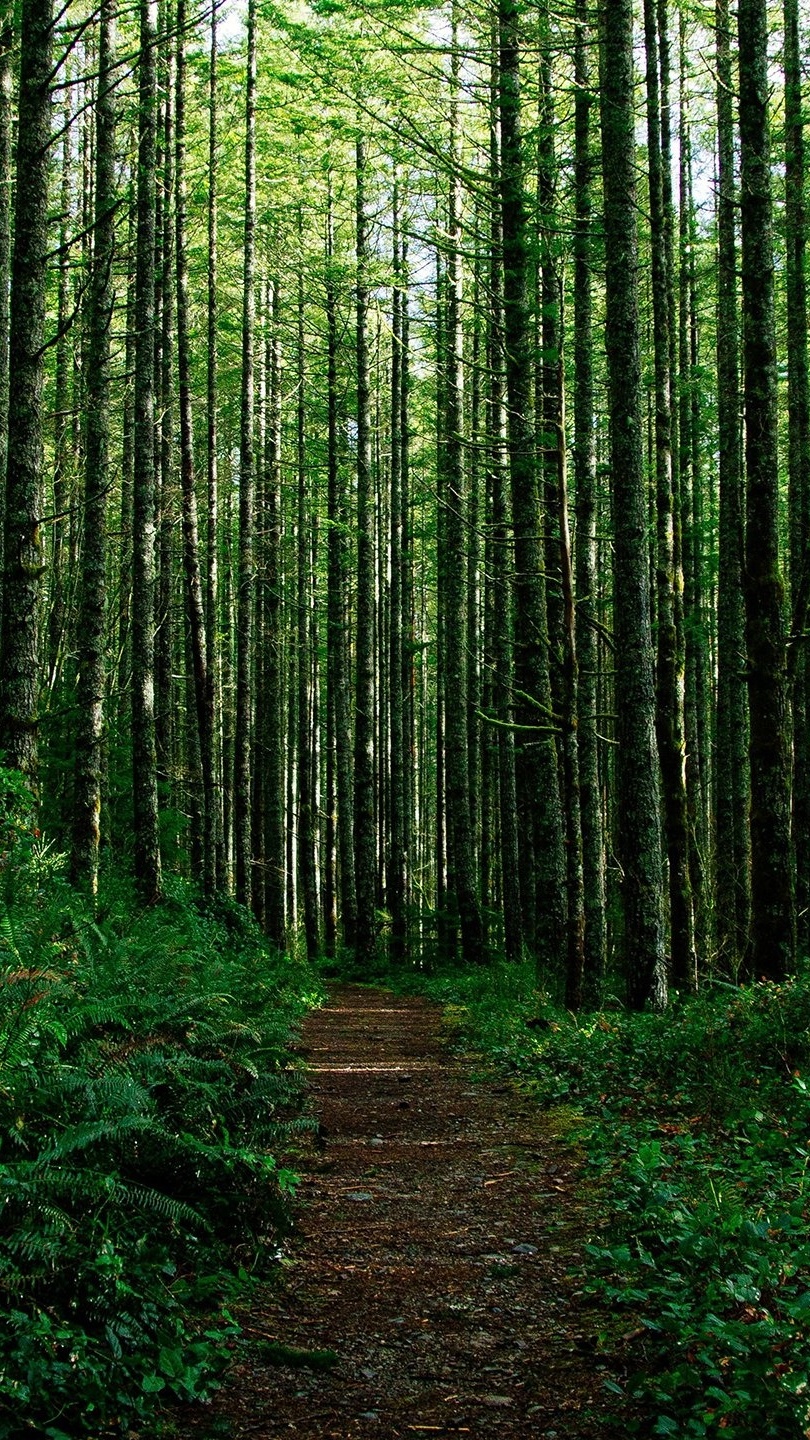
(23, 545)
(542, 880)
(144, 752)
(247, 483)
(364, 793)
(638, 832)
(773, 918)
(90, 629)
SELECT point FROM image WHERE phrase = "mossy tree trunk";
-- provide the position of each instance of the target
(144, 753)
(637, 789)
(773, 918)
(89, 757)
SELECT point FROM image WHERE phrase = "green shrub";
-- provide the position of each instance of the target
(145, 1087)
(696, 1125)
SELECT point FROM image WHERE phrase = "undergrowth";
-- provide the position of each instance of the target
(145, 1088)
(696, 1124)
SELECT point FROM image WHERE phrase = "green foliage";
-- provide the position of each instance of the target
(696, 1125)
(145, 1085)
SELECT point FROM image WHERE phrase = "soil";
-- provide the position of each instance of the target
(441, 1226)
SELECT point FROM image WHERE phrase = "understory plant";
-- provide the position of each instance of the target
(696, 1126)
(146, 1088)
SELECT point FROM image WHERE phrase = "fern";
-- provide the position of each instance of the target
(145, 1090)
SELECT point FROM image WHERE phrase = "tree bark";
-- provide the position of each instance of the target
(773, 918)
(247, 485)
(637, 797)
(89, 759)
(337, 619)
(798, 451)
(732, 836)
(593, 854)
(144, 755)
(306, 766)
(203, 781)
(23, 550)
(454, 565)
(273, 698)
(365, 858)
(395, 883)
(6, 128)
(669, 577)
(539, 813)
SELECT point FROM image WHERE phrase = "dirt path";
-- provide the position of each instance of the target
(439, 1229)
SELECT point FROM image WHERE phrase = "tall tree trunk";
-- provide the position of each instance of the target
(247, 485)
(407, 677)
(90, 627)
(395, 883)
(454, 598)
(6, 127)
(539, 814)
(798, 451)
(548, 391)
(203, 782)
(165, 699)
(63, 452)
(773, 917)
(23, 550)
(637, 797)
(364, 835)
(272, 701)
(575, 875)
(593, 854)
(337, 625)
(306, 766)
(669, 673)
(213, 698)
(732, 837)
(501, 569)
(144, 755)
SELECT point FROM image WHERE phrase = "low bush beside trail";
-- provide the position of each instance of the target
(146, 1089)
(696, 1126)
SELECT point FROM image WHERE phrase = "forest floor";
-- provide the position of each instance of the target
(438, 1253)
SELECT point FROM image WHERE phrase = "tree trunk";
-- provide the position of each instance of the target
(539, 813)
(306, 766)
(773, 918)
(203, 782)
(6, 126)
(454, 566)
(637, 797)
(90, 626)
(395, 884)
(247, 485)
(144, 756)
(337, 622)
(798, 452)
(213, 697)
(593, 854)
(669, 672)
(273, 698)
(732, 836)
(364, 836)
(23, 550)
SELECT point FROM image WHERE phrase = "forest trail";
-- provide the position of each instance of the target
(438, 1231)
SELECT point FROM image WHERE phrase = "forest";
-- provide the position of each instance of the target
(404, 582)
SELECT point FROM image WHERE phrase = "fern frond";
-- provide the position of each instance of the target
(82, 1136)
